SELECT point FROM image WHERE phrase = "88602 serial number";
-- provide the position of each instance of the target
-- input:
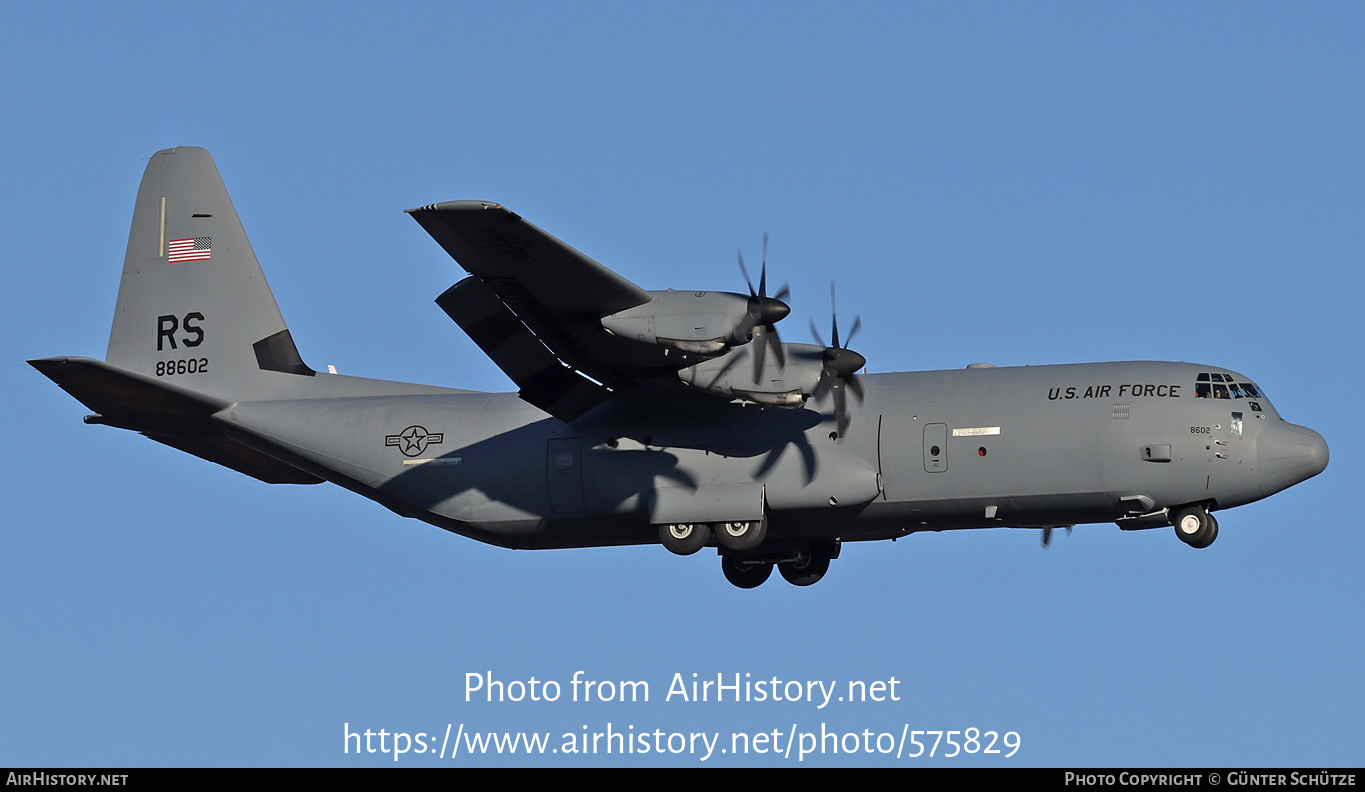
(171, 368)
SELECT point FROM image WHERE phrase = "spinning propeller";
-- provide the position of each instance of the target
(840, 368)
(759, 323)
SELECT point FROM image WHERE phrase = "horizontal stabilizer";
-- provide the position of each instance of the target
(165, 412)
(544, 381)
(127, 399)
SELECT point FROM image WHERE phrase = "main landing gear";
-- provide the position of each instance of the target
(742, 561)
(745, 574)
(804, 570)
(1194, 525)
(688, 538)
(800, 568)
(684, 538)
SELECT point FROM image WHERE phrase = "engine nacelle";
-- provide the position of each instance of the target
(701, 323)
(732, 375)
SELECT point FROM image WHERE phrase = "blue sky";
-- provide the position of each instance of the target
(1012, 183)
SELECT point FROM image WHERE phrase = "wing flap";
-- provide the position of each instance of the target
(543, 380)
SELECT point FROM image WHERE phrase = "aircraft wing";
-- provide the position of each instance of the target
(538, 307)
(495, 244)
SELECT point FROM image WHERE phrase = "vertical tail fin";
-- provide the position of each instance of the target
(193, 306)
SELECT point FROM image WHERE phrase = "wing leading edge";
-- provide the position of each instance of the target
(495, 244)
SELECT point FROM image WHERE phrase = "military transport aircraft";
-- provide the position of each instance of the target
(677, 417)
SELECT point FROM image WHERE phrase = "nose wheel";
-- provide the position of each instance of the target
(1195, 526)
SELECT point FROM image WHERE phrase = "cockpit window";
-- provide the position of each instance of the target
(1206, 386)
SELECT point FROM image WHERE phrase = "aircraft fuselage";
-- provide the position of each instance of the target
(1028, 446)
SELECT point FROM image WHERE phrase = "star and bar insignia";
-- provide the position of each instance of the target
(414, 440)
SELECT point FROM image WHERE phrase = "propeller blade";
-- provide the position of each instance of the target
(834, 317)
(763, 269)
(760, 346)
(857, 325)
(778, 351)
(822, 385)
(840, 409)
(816, 334)
(739, 253)
(856, 386)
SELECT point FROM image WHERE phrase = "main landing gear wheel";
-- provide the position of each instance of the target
(745, 574)
(1195, 526)
(684, 538)
(806, 570)
(741, 536)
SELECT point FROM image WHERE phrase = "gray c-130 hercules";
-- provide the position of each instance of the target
(654, 416)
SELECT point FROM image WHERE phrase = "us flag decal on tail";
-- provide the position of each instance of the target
(193, 249)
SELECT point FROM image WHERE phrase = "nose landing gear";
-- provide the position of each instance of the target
(1195, 526)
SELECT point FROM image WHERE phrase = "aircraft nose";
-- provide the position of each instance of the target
(1288, 454)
